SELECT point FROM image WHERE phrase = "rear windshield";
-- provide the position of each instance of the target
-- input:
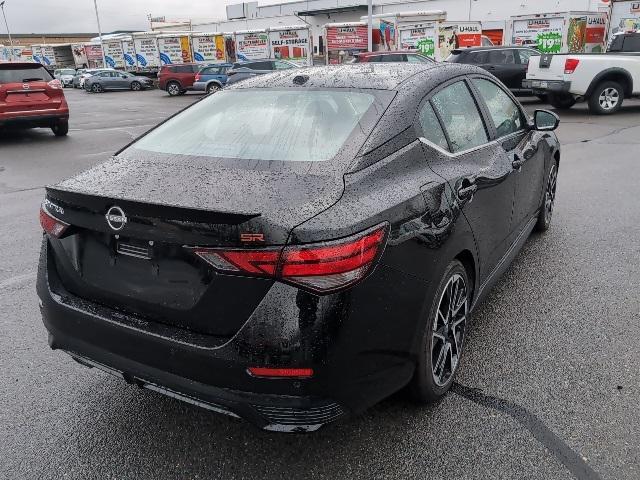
(67, 71)
(16, 74)
(281, 125)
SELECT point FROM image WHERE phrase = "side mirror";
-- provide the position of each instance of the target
(545, 121)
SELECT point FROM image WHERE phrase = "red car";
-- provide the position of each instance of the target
(30, 97)
(177, 79)
(411, 56)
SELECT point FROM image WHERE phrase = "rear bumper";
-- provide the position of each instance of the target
(546, 86)
(41, 118)
(211, 372)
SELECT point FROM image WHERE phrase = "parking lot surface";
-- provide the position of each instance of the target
(549, 387)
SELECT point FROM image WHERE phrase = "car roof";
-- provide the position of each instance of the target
(495, 47)
(381, 76)
(389, 52)
(8, 65)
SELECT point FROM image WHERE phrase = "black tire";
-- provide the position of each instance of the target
(60, 129)
(548, 201)
(213, 88)
(97, 88)
(136, 86)
(174, 89)
(425, 387)
(561, 101)
(606, 98)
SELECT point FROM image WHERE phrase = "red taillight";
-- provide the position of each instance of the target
(55, 84)
(197, 79)
(322, 268)
(51, 224)
(280, 372)
(570, 65)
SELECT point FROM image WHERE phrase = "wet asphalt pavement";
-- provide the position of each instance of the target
(550, 382)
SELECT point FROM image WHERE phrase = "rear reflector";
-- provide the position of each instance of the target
(320, 267)
(570, 65)
(51, 224)
(280, 372)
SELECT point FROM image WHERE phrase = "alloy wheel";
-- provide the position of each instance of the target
(448, 330)
(213, 88)
(173, 89)
(550, 192)
(609, 98)
(96, 88)
(135, 86)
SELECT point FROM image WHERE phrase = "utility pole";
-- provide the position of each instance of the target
(370, 28)
(104, 60)
(8, 32)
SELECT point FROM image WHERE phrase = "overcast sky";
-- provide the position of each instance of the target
(53, 16)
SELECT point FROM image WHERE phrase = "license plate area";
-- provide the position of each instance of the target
(142, 251)
(539, 84)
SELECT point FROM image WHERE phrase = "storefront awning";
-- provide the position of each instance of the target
(331, 10)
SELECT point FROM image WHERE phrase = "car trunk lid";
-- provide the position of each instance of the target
(133, 227)
(28, 87)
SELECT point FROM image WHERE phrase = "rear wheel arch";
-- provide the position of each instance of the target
(618, 75)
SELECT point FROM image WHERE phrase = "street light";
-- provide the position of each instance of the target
(104, 60)
(370, 26)
(8, 32)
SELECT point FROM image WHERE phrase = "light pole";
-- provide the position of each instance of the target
(370, 27)
(8, 32)
(104, 60)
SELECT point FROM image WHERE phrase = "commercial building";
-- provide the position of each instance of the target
(493, 14)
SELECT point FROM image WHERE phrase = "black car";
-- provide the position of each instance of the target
(301, 245)
(243, 70)
(509, 64)
(625, 43)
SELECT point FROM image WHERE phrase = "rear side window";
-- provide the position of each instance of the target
(280, 65)
(19, 75)
(505, 114)
(417, 59)
(525, 55)
(460, 117)
(631, 43)
(183, 69)
(259, 66)
(394, 57)
(476, 58)
(502, 57)
(209, 71)
(431, 128)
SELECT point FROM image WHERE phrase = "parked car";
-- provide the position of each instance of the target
(294, 255)
(243, 70)
(211, 78)
(86, 73)
(114, 80)
(604, 81)
(177, 79)
(65, 75)
(509, 64)
(30, 97)
(409, 56)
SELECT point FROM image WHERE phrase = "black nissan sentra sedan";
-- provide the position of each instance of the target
(297, 247)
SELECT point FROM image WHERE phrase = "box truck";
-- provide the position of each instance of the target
(563, 32)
